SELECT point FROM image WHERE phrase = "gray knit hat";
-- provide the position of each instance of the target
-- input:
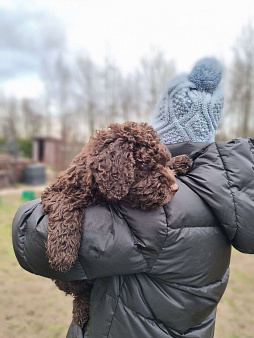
(190, 108)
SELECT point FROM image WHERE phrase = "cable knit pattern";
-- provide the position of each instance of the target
(190, 108)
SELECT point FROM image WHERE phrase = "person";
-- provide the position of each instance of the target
(162, 273)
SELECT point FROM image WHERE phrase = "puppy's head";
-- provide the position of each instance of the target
(129, 164)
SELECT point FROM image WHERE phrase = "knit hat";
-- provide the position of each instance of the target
(190, 108)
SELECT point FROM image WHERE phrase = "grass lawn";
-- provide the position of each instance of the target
(31, 306)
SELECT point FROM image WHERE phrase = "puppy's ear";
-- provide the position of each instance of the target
(113, 169)
(64, 202)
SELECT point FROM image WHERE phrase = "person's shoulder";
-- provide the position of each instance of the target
(121, 213)
(237, 148)
(29, 205)
(19, 229)
(25, 210)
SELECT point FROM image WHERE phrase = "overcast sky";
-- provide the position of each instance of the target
(185, 30)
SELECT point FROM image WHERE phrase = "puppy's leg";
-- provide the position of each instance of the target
(81, 305)
(80, 290)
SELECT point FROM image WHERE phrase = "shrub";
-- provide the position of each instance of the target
(25, 147)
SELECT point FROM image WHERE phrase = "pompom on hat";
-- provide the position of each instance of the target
(190, 108)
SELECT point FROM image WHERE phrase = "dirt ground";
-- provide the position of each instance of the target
(235, 315)
(32, 307)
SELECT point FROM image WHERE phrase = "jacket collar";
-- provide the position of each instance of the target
(186, 147)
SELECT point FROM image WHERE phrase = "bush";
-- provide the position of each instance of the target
(22, 145)
(2, 142)
(25, 147)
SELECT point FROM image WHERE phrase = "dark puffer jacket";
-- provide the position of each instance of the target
(159, 274)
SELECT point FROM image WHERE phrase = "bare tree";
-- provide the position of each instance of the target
(241, 98)
(10, 133)
(52, 49)
(12, 118)
(62, 92)
(127, 98)
(32, 120)
(112, 81)
(58, 80)
(132, 97)
(157, 71)
(88, 85)
(138, 96)
(2, 115)
(47, 75)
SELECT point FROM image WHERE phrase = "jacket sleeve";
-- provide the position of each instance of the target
(29, 234)
(223, 176)
(108, 246)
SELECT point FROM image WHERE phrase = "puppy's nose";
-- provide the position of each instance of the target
(174, 187)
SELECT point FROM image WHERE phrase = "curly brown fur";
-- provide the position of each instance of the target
(80, 290)
(125, 163)
(181, 164)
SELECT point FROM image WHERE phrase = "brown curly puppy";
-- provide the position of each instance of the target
(125, 162)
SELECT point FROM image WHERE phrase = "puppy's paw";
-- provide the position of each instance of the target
(81, 305)
(181, 164)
